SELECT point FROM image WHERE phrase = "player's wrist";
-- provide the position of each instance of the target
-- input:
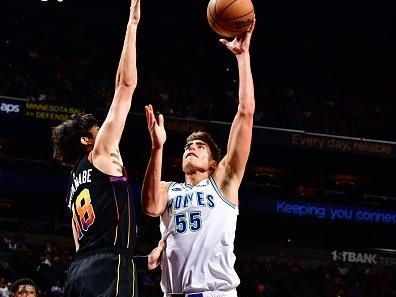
(157, 147)
(243, 58)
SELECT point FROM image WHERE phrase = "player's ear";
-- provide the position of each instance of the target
(213, 165)
(84, 140)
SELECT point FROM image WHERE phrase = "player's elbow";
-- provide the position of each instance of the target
(246, 110)
(127, 84)
(151, 211)
(125, 92)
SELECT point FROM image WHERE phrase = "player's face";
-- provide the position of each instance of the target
(196, 156)
(89, 141)
(93, 132)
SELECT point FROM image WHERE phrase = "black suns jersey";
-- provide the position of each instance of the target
(102, 209)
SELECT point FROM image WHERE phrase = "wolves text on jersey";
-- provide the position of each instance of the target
(193, 198)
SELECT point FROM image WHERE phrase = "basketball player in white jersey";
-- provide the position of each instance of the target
(198, 216)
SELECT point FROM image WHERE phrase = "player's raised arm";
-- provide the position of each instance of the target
(239, 141)
(110, 133)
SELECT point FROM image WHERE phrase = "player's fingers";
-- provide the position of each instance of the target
(161, 120)
(251, 28)
(151, 117)
(224, 41)
(162, 244)
(151, 112)
(146, 109)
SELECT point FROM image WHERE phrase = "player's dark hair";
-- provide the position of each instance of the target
(22, 282)
(66, 138)
(207, 138)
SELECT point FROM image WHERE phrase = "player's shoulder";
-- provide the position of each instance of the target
(165, 185)
(170, 184)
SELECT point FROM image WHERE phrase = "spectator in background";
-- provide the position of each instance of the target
(24, 287)
(57, 289)
(4, 290)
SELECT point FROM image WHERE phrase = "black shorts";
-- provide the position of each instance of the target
(102, 274)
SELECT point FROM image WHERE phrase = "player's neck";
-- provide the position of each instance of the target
(196, 177)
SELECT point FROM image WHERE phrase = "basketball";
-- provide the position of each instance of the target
(230, 18)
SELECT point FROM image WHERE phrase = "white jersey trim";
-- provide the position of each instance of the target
(216, 188)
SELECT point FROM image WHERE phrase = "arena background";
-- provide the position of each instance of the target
(317, 205)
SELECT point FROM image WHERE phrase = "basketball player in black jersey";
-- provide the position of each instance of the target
(103, 220)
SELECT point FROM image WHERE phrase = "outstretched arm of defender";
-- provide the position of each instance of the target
(110, 133)
(239, 141)
(154, 192)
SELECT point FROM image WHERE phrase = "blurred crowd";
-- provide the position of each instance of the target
(188, 80)
(47, 264)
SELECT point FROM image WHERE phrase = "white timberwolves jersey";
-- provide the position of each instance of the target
(199, 227)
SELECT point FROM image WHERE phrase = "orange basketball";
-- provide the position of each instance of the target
(230, 18)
